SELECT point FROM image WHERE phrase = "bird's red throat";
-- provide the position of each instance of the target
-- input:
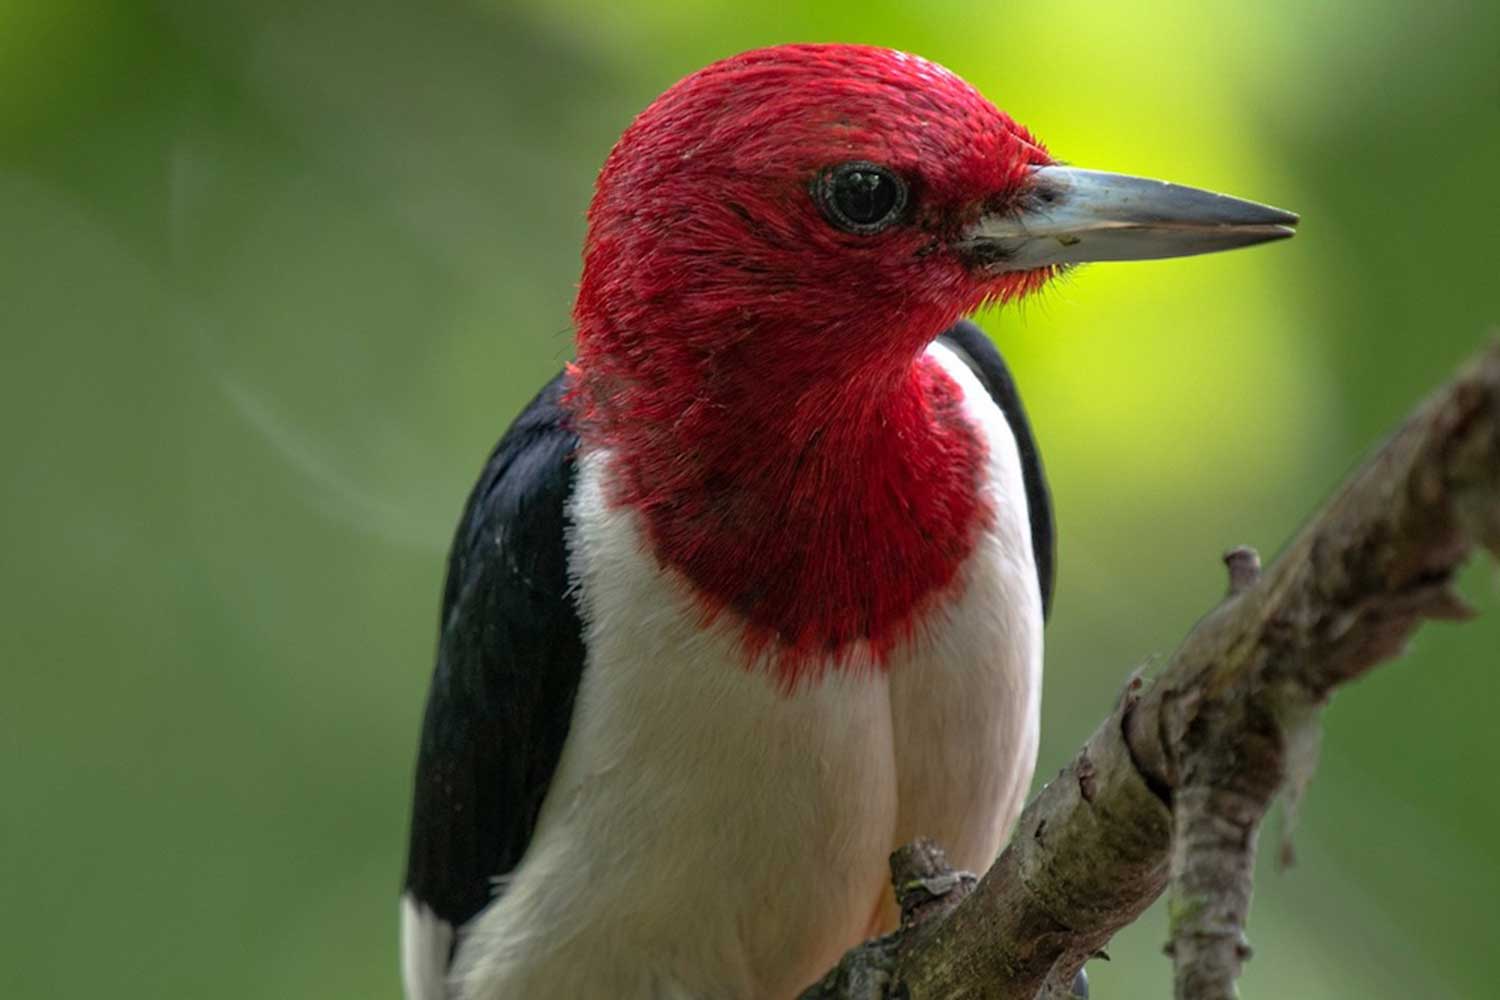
(824, 523)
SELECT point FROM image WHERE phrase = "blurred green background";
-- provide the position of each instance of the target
(275, 275)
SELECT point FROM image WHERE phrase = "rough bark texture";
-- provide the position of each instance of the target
(1174, 784)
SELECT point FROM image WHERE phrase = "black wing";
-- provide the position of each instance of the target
(981, 355)
(510, 653)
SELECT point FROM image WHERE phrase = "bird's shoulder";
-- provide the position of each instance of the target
(979, 353)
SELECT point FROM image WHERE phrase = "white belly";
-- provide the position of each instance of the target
(709, 835)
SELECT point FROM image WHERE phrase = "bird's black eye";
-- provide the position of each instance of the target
(861, 197)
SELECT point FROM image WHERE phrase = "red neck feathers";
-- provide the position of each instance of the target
(823, 521)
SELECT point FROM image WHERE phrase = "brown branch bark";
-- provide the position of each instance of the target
(1174, 784)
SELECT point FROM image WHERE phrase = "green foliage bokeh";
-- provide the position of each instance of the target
(274, 276)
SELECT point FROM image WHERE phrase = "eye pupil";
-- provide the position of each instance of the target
(865, 196)
(862, 197)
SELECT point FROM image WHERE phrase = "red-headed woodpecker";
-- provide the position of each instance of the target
(753, 592)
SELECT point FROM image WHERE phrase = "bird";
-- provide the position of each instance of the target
(754, 590)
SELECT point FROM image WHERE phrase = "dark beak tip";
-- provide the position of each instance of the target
(1272, 223)
(1253, 235)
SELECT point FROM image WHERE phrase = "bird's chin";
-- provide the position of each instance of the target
(1000, 285)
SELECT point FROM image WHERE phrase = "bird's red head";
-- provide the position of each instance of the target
(801, 200)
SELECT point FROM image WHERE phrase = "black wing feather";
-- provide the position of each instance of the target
(510, 654)
(983, 357)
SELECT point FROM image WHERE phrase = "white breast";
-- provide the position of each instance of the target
(708, 835)
(966, 699)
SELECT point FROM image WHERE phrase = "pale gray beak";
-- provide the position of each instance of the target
(1068, 216)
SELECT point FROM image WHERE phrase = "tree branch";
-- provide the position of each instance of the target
(1174, 784)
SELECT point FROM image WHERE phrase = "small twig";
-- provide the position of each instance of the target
(1243, 564)
(927, 889)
